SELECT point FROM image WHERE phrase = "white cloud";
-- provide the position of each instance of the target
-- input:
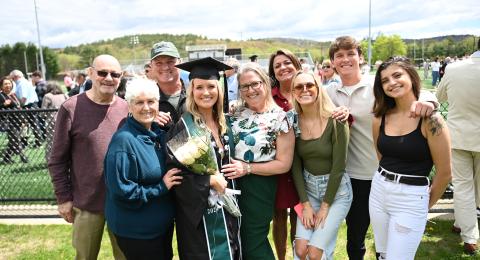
(72, 22)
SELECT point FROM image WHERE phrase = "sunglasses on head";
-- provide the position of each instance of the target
(104, 74)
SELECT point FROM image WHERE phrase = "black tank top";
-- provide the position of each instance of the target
(406, 154)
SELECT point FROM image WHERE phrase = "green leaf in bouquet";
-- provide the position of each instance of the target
(199, 168)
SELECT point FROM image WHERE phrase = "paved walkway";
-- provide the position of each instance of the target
(47, 215)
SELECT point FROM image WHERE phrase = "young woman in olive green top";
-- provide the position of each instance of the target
(319, 170)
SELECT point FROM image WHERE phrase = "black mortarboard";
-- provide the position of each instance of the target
(208, 68)
(253, 58)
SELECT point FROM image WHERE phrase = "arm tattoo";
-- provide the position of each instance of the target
(434, 125)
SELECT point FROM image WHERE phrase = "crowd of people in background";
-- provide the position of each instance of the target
(437, 67)
(316, 145)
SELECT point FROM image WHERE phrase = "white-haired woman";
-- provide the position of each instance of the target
(138, 207)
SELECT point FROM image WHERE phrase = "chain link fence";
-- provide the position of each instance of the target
(25, 141)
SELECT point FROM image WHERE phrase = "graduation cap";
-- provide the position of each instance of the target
(207, 68)
(253, 58)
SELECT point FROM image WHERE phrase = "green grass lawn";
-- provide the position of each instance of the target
(54, 242)
(22, 181)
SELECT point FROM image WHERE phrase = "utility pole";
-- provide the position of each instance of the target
(42, 64)
(26, 64)
(36, 60)
(369, 34)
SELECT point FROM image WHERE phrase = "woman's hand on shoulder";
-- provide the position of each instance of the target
(341, 113)
(171, 178)
(422, 109)
(163, 118)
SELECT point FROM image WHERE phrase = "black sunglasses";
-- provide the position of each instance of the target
(325, 67)
(104, 74)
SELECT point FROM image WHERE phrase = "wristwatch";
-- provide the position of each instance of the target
(249, 168)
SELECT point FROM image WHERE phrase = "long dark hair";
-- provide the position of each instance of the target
(383, 103)
(271, 70)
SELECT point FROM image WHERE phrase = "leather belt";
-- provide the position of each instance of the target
(405, 179)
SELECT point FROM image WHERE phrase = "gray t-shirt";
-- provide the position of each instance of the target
(173, 99)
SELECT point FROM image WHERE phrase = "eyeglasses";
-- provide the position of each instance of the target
(254, 85)
(325, 67)
(304, 86)
(104, 74)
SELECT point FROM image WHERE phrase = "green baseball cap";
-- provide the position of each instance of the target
(164, 48)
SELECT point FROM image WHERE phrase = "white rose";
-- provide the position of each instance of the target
(196, 153)
(182, 154)
(188, 160)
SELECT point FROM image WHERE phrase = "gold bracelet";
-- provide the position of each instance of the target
(249, 168)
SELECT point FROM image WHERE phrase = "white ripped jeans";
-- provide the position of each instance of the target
(398, 214)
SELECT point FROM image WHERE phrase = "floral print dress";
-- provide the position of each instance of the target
(255, 136)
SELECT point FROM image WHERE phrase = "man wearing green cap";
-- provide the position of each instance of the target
(164, 57)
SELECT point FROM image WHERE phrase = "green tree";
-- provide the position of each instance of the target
(14, 58)
(388, 46)
(68, 62)
(51, 63)
(88, 53)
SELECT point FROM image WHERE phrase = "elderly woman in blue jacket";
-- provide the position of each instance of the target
(138, 208)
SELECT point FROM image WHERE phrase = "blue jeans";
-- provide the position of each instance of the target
(435, 76)
(325, 238)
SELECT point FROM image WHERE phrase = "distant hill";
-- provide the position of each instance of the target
(455, 38)
(124, 50)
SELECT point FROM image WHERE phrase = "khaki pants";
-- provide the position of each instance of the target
(466, 178)
(87, 235)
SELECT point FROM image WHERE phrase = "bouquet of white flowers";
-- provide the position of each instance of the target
(197, 154)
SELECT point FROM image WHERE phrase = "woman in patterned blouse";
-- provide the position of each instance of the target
(260, 128)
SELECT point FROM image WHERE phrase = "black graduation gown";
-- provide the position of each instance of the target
(191, 202)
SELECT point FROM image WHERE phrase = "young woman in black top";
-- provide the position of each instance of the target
(407, 148)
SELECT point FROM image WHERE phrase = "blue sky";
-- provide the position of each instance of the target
(69, 22)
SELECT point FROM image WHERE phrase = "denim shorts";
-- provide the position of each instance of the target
(325, 238)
